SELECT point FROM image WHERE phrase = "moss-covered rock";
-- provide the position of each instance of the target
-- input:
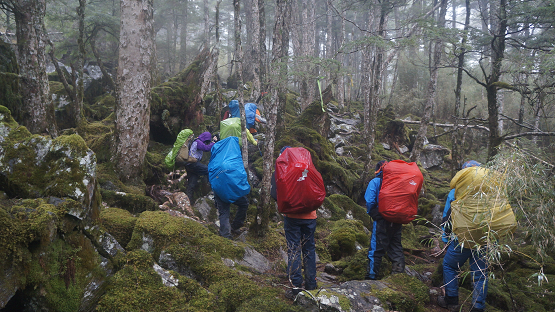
(352, 209)
(344, 235)
(33, 166)
(176, 103)
(137, 287)
(405, 293)
(48, 262)
(119, 223)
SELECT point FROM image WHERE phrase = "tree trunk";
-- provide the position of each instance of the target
(341, 78)
(263, 59)
(78, 105)
(455, 152)
(432, 84)
(497, 55)
(278, 68)
(134, 82)
(37, 110)
(206, 25)
(183, 37)
(239, 60)
(254, 51)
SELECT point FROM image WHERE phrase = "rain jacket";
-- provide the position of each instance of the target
(198, 146)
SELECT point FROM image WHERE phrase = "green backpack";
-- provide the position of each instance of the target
(182, 140)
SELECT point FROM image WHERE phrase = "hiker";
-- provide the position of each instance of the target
(456, 255)
(196, 169)
(386, 235)
(299, 229)
(229, 182)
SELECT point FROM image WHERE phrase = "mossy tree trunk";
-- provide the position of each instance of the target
(278, 71)
(38, 110)
(134, 84)
(432, 85)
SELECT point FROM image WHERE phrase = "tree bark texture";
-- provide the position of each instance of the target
(183, 36)
(254, 51)
(38, 111)
(432, 85)
(497, 55)
(239, 61)
(455, 151)
(78, 104)
(277, 69)
(134, 84)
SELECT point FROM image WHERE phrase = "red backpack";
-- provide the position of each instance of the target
(398, 197)
(300, 187)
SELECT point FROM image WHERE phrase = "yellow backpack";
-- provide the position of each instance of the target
(481, 211)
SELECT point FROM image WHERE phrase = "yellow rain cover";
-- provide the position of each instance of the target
(481, 209)
(232, 127)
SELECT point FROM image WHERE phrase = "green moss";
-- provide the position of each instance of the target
(133, 203)
(268, 304)
(232, 292)
(337, 213)
(344, 234)
(119, 223)
(137, 287)
(356, 211)
(412, 236)
(354, 267)
(167, 231)
(406, 293)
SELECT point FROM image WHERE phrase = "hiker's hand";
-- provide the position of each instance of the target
(214, 139)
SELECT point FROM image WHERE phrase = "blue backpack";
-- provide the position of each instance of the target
(226, 172)
(234, 108)
(250, 113)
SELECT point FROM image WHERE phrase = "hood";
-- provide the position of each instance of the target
(205, 136)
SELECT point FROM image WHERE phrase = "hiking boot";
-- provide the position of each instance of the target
(449, 303)
(291, 294)
(236, 232)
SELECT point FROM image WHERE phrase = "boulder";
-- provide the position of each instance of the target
(33, 166)
(432, 155)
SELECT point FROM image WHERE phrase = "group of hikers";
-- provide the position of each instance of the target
(391, 200)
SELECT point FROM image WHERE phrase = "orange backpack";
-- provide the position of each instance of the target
(398, 197)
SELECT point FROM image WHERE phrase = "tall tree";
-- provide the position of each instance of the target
(37, 112)
(461, 53)
(437, 53)
(278, 71)
(254, 50)
(239, 61)
(134, 82)
(183, 36)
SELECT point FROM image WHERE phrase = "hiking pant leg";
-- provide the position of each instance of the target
(378, 243)
(293, 237)
(194, 172)
(455, 257)
(223, 211)
(309, 253)
(395, 248)
(478, 268)
(242, 206)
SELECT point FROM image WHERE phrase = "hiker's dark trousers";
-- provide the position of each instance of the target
(195, 170)
(386, 237)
